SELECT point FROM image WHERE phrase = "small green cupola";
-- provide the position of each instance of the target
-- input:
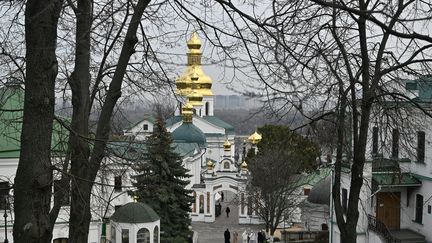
(189, 133)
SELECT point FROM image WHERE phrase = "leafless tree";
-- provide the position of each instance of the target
(275, 187)
(341, 56)
(33, 181)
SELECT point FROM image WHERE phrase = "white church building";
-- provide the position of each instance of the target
(205, 142)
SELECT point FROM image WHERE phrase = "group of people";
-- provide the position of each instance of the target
(248, 237)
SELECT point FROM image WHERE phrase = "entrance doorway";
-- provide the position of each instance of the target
(226, 200)
(388, 209)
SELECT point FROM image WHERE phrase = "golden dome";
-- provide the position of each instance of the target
(205, 82)
(210, 165)
(195, 97)
(255, 138)
(194, 43)
(227, 145)
(184, 82)
(243, 165)
(187, 112)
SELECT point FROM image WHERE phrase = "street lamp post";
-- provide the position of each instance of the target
(5, 218)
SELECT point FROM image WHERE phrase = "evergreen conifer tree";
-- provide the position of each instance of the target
(161, 180)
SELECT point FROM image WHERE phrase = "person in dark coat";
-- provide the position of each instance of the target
(222, 196)
(227, 210)
(260, 237)
(227, 236)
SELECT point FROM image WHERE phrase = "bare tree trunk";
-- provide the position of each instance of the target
(86, 164)
(33, 181)
(80, 151)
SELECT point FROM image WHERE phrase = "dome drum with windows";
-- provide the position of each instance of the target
(139, 220)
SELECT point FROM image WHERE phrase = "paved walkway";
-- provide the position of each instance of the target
(214, 232)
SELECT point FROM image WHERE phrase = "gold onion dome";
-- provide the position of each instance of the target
(184, 82)
(255, 138)
(227, 145)
(194, 96)
(183, 85)
(194, 43)
(243, 165)
(209, 164)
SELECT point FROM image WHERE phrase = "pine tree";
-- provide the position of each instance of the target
(161, 180)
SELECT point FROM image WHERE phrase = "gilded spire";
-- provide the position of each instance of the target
(209, 164)
(227, 145)
(244, 166)
(194, 43)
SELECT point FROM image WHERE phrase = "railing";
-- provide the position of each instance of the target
(379, 227)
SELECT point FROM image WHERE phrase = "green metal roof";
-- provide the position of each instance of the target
(424, 87)
(218, 122)
(12, 104)
(320, 193)
(314, 177)
(173, 120)
(189, 133)
(395, 179)
(133, 150)
(135, 212)
(149, 118)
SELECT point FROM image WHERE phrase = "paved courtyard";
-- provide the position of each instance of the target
(214, 232)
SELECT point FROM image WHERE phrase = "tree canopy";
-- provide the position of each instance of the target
(161, 183)
(276, 172)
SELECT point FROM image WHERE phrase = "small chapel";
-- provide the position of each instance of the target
(205, 142)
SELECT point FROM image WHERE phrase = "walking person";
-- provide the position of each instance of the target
(227, 210)
(235, 235)
(252, 237)
(260, 237)
(222, 196)
(227, 236)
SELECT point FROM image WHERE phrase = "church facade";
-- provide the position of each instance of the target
(212, 163)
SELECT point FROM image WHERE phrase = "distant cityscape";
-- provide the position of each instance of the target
(235, 102)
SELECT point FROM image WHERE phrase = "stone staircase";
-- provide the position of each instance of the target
(407, 236)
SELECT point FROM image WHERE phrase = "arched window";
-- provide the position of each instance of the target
(226, 165)
(207, 107)
(201, 204)
(125, 235)
(113, 233)
(143, 236)
(156, 235)
(242, 203)
(194, 203)
(249, 205)
(208, 202)
(61, 240)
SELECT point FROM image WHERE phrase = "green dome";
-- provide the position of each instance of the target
(135, 212)
(189, 133)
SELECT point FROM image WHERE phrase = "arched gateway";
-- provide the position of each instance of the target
(223, 176)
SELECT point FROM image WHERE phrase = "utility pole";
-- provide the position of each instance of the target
(5, 218)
